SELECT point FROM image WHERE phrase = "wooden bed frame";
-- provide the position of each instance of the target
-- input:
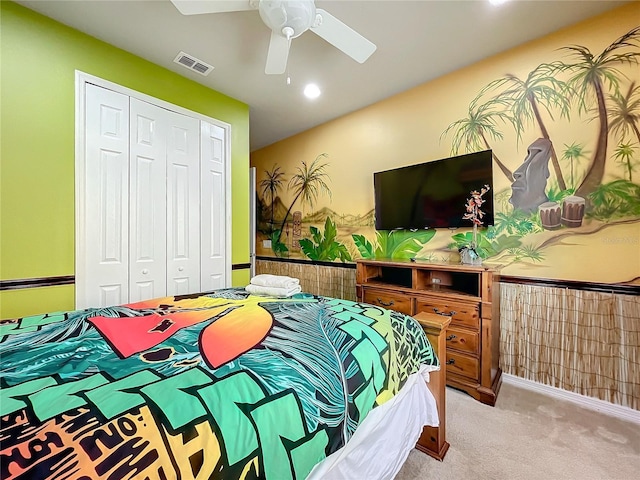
(433, 441)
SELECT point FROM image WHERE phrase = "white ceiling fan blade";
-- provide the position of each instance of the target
(196, 7)
(343, 37)
(277, 55)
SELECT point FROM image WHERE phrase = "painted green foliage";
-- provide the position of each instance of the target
(279, 248)
(489, 242)
(324, 247)
(400, 244)
(504, 236)
(582, 81)
(615, 200)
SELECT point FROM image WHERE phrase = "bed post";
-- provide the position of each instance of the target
(433, 441)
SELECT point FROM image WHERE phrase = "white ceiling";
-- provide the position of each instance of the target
(417, 41)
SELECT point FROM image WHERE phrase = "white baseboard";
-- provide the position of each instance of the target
(624, 413)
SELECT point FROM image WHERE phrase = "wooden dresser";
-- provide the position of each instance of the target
(468, 294)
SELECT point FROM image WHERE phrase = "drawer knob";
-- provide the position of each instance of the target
(444, 314)
(451, 361)
(451, 337)
(384, 304)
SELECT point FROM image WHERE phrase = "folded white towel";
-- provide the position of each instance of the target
(278, 281)
(273, 291)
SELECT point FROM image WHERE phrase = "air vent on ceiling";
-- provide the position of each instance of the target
(192, 63)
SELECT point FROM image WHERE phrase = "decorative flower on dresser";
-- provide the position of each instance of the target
(469, 254)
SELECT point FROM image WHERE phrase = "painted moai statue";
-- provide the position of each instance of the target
(530, 179)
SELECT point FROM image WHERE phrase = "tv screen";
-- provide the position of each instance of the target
(433, 194)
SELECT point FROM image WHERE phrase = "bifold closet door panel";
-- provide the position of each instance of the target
(148, 202)
(183, 205)
(165, 193)
(213, 207)
(103, 266)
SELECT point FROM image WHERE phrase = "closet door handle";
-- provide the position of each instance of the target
(385, 304)
(145, 271)
(180, 269)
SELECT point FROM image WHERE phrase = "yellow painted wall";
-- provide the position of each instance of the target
(39, 58)
(406, 129)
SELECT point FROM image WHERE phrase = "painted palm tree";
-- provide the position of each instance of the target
(624, 112)
(525, 98)
(589, 75)
(472, 132)
(271, 185)
(307, 183)
(624, 155)
(573, 154)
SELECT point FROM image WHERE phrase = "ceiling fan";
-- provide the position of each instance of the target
(288, 20)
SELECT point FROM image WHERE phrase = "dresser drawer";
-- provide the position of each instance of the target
(463, 340)
(393, 301)
(464, 365)
(462, 314)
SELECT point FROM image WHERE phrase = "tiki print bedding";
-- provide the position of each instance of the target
(219, 385)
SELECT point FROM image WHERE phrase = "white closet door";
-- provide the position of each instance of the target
(152, 207)
(213, 207)
(183, 204)
(104, 231)
(148, 206)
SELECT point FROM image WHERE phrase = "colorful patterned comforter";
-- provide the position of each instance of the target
(219, 385)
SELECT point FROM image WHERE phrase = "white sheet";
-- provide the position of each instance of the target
(381, 444)
(279, 292)
(279, 281)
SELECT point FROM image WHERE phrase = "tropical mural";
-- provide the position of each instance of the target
(573, 194)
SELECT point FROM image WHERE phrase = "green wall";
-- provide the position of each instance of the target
(39, 58)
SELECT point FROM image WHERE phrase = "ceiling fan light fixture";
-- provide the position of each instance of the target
(299, 15)
(287, 32)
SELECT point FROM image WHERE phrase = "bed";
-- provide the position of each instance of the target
(222, 384)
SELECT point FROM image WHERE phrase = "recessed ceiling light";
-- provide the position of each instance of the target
(497, 2)
(311, 91)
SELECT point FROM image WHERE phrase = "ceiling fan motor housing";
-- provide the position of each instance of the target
(290, 18)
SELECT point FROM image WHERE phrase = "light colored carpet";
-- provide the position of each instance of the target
(529, 435)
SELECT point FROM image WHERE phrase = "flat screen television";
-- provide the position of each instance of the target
(433, 194)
